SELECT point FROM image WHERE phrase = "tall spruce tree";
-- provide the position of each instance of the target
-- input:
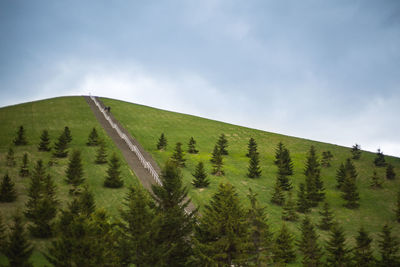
(302, 204)
(18, 248)
(314, 185)
(379, 160)
(326, 159)
(289, 209)
(346, 169)
(251, 147)
(162, 142)
(283, 160)
(337, 252)
(74, 171)
(388, 248)
(86, 202)
(278, 196)
(44, 144)
(390, 174)
(24, 169)
(217, 162)
(93, 139)
(356, 152)
(10, 158)
(200, 176)
(113, 178)
(67, 133)
(192, 146)
(308, 244)
(327, 217)
(397, 209)
(283, 249)
(178, 156)
(20, 139)
(254, 169)
(222, 144)
(362, 252)
(376, 181)
(61, 147)
(350, 193)
(101, 154)
(7, 190)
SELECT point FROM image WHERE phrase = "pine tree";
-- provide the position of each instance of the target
(113, 179)
(252, 147)
(278, 196)
(10, 157)
(390, 174)
(260, 237)
(379, 160)
(283, 250)
(362, 252)
(101, 155)
(67, 133)
(74, 171)
(178, 156)
(217, 161)
(254, 170)
(285, 166)
(326, 217)
(20, 139)
(7, 190)
(192, 146)
(388, 248)
(18, 248)
(397, 210)
(61, 146)
(176, 223)
(356, 152)
(222, 233)
(326, 159)
(347, 169)
(200, 177)
(222, 144)
(308, 244)
(44, 144)
(350, 193)
(93, 139)
(289, 209)
(24, 170)
(337, 252)
(162, 142)
(314, 185)
(376, 181)
(302, 204)
(86, 202)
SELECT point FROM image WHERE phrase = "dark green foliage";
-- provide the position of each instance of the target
(337, 252)
(61, 146)
(345, 170)
(24, 170)
(86, 202)
(283, 160)
(7, 190)
(308, 244)
(200, 176)
(302, 204)
(3, 237)
(289, 209)
(390, 174)
(388, 248)
(113, 178)
(221, 234)
(74, 171)
(326, 159)
(44, 144)
(356, 152)
(252, 147)
(222, 144)
(176, 225)
(162, 142)
(217, 162)
(10, 159)
(254, 170)
(101, 155)
(93, 139)
(397, 210)
(278, 196)
(67, 133)
(376, 181)
(20, 139)
(283, 250)
(192, 146)
(362, 252)
(314, 185)
(326, 217)
(350, 193)
(379, 160)
(178, 156)
(18, 248)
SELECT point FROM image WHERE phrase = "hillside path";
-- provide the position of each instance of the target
(134, 162)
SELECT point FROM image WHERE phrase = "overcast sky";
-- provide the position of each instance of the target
(322, 70)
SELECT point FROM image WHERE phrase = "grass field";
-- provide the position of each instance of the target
(146, 124)
(53, 115)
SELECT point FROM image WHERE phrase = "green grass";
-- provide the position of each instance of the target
(53, 115)
(146, 124)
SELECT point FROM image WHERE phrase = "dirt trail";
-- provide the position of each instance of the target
(131, 158)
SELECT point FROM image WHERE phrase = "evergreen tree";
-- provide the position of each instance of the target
(350, 193)
(10, 157)
(86, 202)
(326, 217)
(379, 159)
(388, 248)
(7, 190)
(101, 155)
(314, 185)
(390, 174)
(283, 160)
(3, 237)
(252, 147)
(302, 204)
(356, 152)
(337, 252)
(222, 233)
(61, 146)
(326, 159)
(18, 248)
(200, 177)
(74, 171)
(24, 170)
(278, 196)
(283, 250)
(44, 144)
(178, 156)
(260, 237)
(20, 139)
(345, 170)
(289, 209)
(397, 210)
(376, 181)
(176, 225)
(362, 252)
(93, 139)
(254, 170)
(222, 144)
(192, 146)
(217, 161)
(308, 244)
(67, 133)
(113, 179)
(162, 142)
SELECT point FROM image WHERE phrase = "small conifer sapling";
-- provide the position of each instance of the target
(93, 139)
(24, 170)
(113, 178)
(390, 174)
(192, 146)
(20, 139)
(7, 190)
(200, 176)
(162, 142)
(10, 158)
(44, 144)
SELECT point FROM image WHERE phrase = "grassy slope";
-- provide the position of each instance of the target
(146, 124)
(53, 115)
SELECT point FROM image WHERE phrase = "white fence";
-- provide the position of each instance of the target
(131, 146)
